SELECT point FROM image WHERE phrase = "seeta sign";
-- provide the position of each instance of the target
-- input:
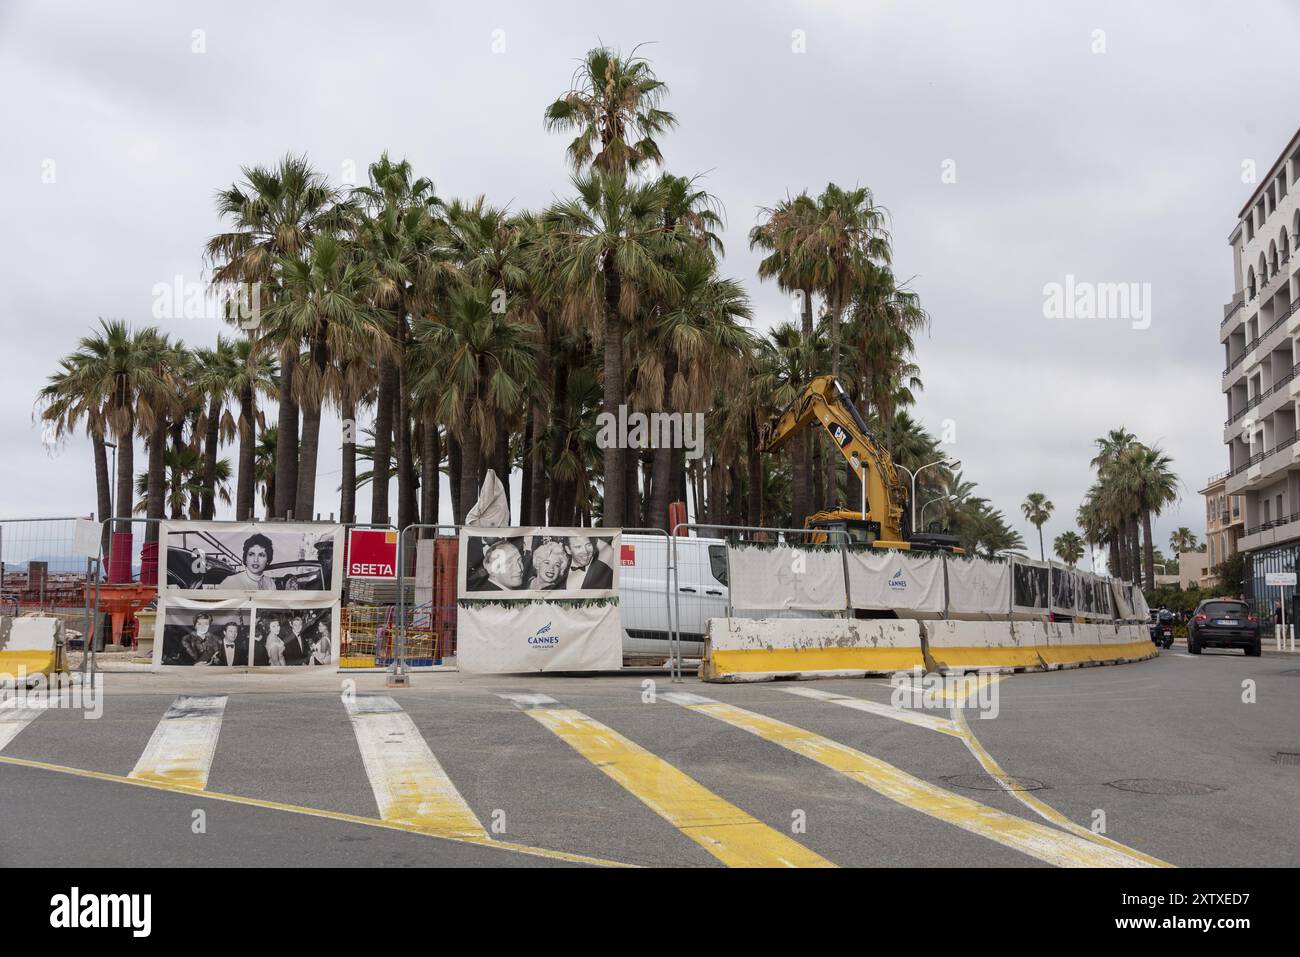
(372, 553)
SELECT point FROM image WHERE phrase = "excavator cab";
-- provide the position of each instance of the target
(839, 525)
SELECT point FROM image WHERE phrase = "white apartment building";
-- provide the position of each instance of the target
(1260, 333)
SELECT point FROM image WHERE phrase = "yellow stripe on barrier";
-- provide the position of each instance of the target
(732, 836)
(1078, 654)
(976, 657)
(750, 661)
(13, 664)
(1028, 837)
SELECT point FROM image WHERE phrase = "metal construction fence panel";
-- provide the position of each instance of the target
(42, 573)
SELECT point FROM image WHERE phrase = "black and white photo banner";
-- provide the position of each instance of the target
(243, 559)
(538, 563)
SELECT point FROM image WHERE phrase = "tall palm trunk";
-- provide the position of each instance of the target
(176, 493)
(612, 514)
(286, 441)
(156, 489)
(800, 476)
(662, 456)
(402, 428)
(631, 488)
(1148, 555)
(470, 456)
(383, 441)
(211, 444)
(305, 498)
(348, 486)
(455, 460)
(246, 487)
(103, 488)
(754, 478)
(430, 460)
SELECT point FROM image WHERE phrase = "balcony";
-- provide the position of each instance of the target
(1232, 308)
(1250, 346)
(1259, 458)
(1271, 533)
(1254, 401)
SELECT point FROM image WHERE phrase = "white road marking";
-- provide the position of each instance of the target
(13, 719)
(181, 749)
(410, 786)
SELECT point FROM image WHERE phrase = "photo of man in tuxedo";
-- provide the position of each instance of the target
(232, 652)
(297, 648)
(585, 569)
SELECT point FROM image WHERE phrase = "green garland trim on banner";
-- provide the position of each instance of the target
(774, 546)
(517, 602)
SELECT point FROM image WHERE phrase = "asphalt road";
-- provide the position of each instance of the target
(1147, 763)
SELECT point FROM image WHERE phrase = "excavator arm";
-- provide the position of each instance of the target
(825, 401)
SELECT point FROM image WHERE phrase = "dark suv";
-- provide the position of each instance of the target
(1223, 623)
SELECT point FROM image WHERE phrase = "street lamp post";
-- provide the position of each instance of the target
(913, 476)
(937, 498)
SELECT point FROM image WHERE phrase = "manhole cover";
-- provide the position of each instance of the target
(1161, 786)
(1287, 757)
(986, 782)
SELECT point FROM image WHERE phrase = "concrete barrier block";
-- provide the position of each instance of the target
(762, 649)
(980, 645)
(31, 646)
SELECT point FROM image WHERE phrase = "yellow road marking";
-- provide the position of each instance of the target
(721, 828)
(410, 785)
(1045, 811)
(13, 719)
(181, 748)
(1028, 837)
(309, 812)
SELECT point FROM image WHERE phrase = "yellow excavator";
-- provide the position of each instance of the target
(883, 520)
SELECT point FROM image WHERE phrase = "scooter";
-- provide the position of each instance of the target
(1162, 632)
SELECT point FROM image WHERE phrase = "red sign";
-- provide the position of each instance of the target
(372, 553)
(629, 555)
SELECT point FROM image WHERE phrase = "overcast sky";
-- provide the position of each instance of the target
(1113, 157)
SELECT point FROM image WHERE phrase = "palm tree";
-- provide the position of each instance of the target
(215, 370)
(1037, 510)
(276, 214)
(326, 305)
(781, 232)
(116, 370)
(64, 407)
(1155, 486)
(1183, 540)
(474, 364)
(1068, 547)
(612, 253)
(399, 235)
(255, 373)
(613, 106)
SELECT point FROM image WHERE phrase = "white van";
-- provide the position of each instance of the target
(649, 601)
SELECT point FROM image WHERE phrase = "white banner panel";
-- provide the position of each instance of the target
(977, 588)
(880, 579)
(771, 579)
(244, 559)
(1140, 609)
(541, 563)
(538, 636)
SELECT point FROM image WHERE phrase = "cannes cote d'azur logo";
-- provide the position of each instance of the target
(545, 637)
(898, 582)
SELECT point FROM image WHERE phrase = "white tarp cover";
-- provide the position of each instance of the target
(978, 588)
(1141, 610)
(880, 579)
(1121, 592)
(771, 579)
(492, 510)
(538, 636)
